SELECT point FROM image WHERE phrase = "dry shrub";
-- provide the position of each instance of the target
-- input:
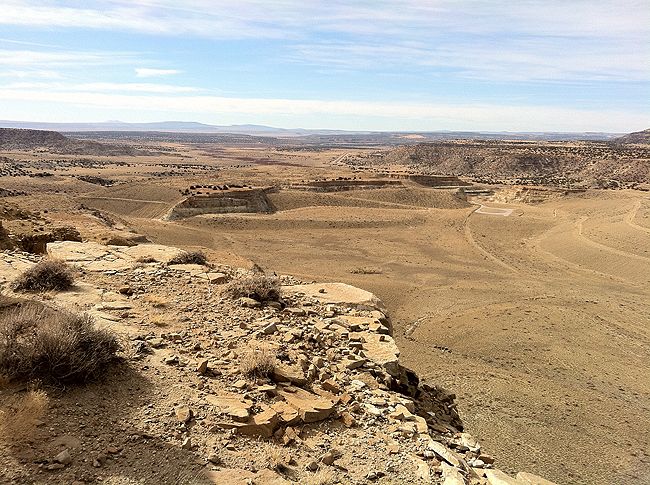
(37, 342)
(20, 417)
(48, 275)
(366, 270)
(190, 257)
(257, 363)
(156, 301)
(159, 320)
(274, 457)
(321, 477)
(260, 287)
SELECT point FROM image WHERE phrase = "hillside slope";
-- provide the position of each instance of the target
(20, 139)
(638, 137)
(589, 163)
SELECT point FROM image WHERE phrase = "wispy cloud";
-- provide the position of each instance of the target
(101, 87)
(46, 58)
(147, 72)
(533, 40)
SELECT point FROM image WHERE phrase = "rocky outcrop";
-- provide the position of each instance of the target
(331, 389)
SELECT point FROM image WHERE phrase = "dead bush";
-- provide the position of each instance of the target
(260, 287)
(257, 363)
(321, 477)
(37, 342)
(20, 416)
(190, 257)
(48, 275)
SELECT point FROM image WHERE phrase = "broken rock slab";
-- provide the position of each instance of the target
(261, 424)
(93, 256)
(530, 479)
(11, 266)
(338, 294)
(311, 407)
(497, 477)
(380, 349)
(232, 405)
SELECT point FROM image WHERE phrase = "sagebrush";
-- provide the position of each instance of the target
(54, 346)
(190, 257)
(48, 275)
(260, 287)
(257, 363)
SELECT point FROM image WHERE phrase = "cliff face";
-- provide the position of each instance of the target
(331, 403)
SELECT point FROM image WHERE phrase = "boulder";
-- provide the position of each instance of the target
(311, 407)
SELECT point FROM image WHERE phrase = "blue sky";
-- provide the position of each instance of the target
(527, 65)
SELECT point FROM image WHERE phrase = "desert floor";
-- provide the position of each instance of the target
(537, 316)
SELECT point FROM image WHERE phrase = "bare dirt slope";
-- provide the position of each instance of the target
(536, 319)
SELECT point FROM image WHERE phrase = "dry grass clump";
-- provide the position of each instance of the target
(19, 418)
(190, 257)
(257, 363)
(366, 270)
(159, 320)
(321, 477)
(156, 301)
(260, 287)
(274, 457)
(37, 342)
(48, 275)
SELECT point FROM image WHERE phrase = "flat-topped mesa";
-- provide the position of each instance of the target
(220, 199)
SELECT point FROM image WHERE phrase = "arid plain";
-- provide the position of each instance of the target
(535, 314)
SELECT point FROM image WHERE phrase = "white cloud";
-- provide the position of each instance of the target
(389, 115)
(146, 72)
(101, 87)
(43, 59)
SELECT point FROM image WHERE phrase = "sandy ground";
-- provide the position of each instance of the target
(535, 315)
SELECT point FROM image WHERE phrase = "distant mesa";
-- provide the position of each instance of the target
(636, 138)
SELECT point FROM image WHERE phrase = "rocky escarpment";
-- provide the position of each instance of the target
(336, 407)
(539, 163)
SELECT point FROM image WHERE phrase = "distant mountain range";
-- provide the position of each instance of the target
(261, 130)
(167, 126)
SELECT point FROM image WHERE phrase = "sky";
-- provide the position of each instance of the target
(401, 65)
